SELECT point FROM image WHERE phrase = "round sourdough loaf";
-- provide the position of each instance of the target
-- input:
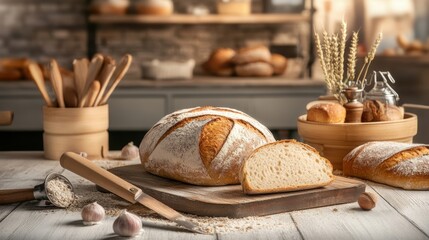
(202, 145)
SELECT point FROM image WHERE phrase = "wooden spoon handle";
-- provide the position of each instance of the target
(57, 83)
(105, 75)
(16, 195)
(86, 169)
(92, 94)
(119, 73)
(37, 75)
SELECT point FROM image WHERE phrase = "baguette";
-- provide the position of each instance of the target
(282, 166)
(396, 164)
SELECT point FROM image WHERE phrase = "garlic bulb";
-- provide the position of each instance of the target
(92, 214)
(127, 225)
(130, 151)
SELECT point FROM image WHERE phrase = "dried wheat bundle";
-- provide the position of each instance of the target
(331, 53)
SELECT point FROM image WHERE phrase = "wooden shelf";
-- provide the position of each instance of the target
(206, 19)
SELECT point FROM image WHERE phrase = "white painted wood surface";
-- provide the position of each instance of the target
(399, 214)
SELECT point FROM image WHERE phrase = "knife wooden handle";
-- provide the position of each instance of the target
(16, 195)
(86, 169)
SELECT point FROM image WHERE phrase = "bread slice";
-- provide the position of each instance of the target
(282, 166)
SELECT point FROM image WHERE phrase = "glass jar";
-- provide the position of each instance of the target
(380, 102)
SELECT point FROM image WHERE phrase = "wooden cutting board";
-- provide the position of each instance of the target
(230, 201)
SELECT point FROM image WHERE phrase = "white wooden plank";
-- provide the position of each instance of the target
(6, 210)
(26, 165)
(279, 226)
(348, 221)
(413, 205)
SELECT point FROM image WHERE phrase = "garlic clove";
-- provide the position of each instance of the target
(130, 151)
(127, 225)
(92, 214)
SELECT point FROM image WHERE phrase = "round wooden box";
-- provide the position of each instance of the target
(334, 141)
(76, 130)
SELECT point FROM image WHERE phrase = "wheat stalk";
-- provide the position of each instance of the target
(327, 52)
(351, 64)
(335, 62)
(342, 46)
(371, 55)
(322, 60)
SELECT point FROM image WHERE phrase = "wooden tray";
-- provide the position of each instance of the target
(230, 201)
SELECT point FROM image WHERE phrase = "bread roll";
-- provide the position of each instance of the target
(256, 69)
(154, 7)
(279, 64)
(252, 54)
(202, 145)
(109, 7)
(282, 166)
(376, 111)
(219, 62)
(396, 164)
(327, 113)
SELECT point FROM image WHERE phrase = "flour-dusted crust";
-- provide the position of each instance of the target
(397, 164)
(203, 145)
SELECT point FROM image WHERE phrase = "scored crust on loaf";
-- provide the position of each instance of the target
(202, 145)
(252, 54)
(285, 165)
(396, 164)
(212, 138)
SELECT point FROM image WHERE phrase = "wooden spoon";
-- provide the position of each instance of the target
(92, 93)
(93, 70)
(80, 68)
(37, 76)
(57, 82)
(119, 73)
(105, 75)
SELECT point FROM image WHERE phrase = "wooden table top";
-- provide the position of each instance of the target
(399, 214)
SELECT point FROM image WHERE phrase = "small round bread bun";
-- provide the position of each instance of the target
(327, 112)
(279, 63)
(255, 69)
(252, 54)
(219, 62)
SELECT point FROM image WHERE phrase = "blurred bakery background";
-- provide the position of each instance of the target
(178, 48)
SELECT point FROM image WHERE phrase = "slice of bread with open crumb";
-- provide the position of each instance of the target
(282, 166)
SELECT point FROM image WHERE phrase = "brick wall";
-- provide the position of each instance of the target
(57, 29)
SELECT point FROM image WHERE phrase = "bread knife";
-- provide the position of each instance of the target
(107, 180)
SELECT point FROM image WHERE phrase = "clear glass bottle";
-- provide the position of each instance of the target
(380, 102)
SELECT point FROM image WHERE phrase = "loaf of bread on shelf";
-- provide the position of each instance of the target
(396, 164)
(202, 145)
(154, 7)
(327, 112)
(219, 62)
(252, 54)
(376, 111)
(279, 63)
(282, 166)
(254, 69)
(109, 7)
